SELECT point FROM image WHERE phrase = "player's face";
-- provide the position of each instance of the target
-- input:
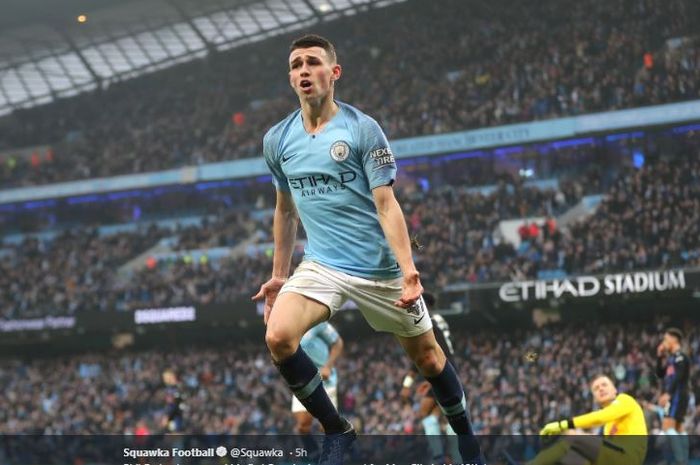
(312, 73)
(669, 342)
(169, 378)
(603, 390)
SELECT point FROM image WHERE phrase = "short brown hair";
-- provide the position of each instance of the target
(675, 332)
(313, 40)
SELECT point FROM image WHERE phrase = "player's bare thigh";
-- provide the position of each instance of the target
(292, 316)
(425, 352)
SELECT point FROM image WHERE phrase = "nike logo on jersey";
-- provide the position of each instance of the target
(285, 158)
(417, 320)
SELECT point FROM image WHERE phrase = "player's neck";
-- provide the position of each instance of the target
(317, 114)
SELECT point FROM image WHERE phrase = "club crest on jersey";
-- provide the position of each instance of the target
(340, 150)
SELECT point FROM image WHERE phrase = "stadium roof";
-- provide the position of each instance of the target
(46, 53)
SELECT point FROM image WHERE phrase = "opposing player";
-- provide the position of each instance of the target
(429, 411)
(323, 345)
(333, 169)
(624, 440)
(174, 412)
(673, 368)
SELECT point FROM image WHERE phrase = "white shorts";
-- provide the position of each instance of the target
(374, 298)
(332, 393)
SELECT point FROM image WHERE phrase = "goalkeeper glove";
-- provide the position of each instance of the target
(556, 427)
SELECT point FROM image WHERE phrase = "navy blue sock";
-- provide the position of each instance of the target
(450, 395)
(303, 378)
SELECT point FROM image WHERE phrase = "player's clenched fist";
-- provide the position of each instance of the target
(269, 292)
(412, 290)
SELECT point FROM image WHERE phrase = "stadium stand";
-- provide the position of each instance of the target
(234, 389)
(503, 62)
(649, 220)
(563, 58)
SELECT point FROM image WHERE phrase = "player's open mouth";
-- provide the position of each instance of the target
(305, 84)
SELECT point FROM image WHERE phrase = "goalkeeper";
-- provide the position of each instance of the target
(624, 432)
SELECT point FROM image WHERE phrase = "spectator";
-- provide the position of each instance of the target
(500, 63)
(230, 389)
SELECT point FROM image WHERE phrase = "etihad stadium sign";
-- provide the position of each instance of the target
(592, 286)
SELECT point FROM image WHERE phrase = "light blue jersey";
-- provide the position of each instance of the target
(331, 176)
(317, 343)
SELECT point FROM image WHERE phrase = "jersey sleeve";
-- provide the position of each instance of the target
(621, 406)
(377, 158)
(270, 148)
(329, 334)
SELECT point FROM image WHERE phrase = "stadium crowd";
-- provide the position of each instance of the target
(184, 282)
(79, 269)
(455, 228)
(235, 389)
(68, 274)
(501, 63)
(650, 218)
(505, 62)
(471, 218)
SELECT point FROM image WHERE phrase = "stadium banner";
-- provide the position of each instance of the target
(592, 286)
(455, 142)
(37, 324)
(638, 117)
(148, 316)
(91, 186)
(483, 138)
(240, 313)
(640, 289)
